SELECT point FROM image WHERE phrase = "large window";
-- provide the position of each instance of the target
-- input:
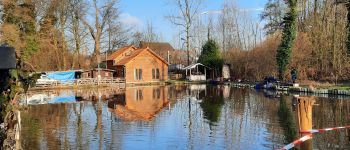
(138, 74)
(155, 73)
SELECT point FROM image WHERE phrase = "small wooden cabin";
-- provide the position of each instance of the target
(138, 65)
(93, 73)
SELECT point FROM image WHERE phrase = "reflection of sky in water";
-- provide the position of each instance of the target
(66, 96)
(247, 120)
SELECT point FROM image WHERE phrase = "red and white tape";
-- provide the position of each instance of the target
(309, 136)
(297, 142)
(323, 130)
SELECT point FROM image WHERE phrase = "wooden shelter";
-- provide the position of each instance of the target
(196, 72)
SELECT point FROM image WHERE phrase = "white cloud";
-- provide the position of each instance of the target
(211, 12)
(252, 9)
(130, 20)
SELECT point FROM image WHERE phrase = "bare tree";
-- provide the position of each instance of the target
(188, 10)
(149, 34)
(101, 16)
(77, 30)
(117, 34)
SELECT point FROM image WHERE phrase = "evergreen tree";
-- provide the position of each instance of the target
(211, 55)
(288, 37)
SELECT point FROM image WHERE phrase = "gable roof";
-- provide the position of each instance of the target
(136, 53)
(120, 51)
(157, 46)
(194, 66)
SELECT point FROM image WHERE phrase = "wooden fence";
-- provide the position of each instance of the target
(84, 82)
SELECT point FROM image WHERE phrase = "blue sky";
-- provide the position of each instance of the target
(138, 12)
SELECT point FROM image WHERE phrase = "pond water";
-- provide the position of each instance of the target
(174, 117)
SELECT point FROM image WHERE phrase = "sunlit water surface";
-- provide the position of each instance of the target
(173, 117)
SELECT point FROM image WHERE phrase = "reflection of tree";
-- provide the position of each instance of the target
(287, 121)
(211, 106)
(30, 136)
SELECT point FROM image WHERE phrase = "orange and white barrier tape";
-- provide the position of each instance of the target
(297, 142)
(309, 136)
(323, 130)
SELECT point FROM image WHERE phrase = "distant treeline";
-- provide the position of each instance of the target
(320, 50)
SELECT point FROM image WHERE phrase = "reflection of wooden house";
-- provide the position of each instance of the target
(141, 103)
(95, 73)
(138, 65)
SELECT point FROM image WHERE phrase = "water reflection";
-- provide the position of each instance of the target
(140, 103)
(177, 117)
(212, 104)
(287, 121)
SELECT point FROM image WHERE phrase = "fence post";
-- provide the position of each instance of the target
(304, 115)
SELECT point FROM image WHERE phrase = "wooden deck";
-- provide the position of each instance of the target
(84, 82)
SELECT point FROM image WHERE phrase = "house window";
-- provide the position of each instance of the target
(138, 74)
(155, 73)
(113, 62)
(156, 93)
(138, 94)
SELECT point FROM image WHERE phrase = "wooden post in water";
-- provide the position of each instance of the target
(304, 114)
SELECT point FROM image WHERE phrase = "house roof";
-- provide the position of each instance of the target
(136, 53)
(194, 66)
(157, 46)
(120, 51)
(101, 69)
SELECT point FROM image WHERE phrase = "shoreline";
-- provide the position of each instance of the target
(305, 88)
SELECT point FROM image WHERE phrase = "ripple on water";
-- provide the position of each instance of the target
(244, 119)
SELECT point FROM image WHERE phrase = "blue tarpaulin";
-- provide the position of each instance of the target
(62, 76)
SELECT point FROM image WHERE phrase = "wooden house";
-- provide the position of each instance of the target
(138, 65)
